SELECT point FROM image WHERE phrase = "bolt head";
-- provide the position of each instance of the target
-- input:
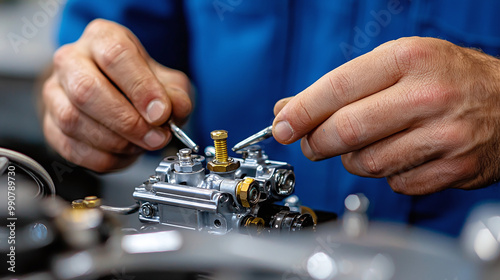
(185, 152)
(218, 134)
(147, 210)
(231, 165)
(247, 192)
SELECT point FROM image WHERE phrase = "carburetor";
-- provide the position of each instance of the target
(230, 194)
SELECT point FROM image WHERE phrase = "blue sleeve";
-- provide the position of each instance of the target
(160, 25)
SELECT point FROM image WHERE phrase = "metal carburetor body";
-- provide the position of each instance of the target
(234, 194)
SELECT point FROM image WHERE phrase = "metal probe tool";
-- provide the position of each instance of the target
(181, 135)
(254, 139)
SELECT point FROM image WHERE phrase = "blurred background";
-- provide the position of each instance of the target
(28, 31)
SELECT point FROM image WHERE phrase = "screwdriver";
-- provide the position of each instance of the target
(255, 138)
(181, 135)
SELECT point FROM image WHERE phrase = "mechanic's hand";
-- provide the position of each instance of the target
(106, 99)
(420, 111)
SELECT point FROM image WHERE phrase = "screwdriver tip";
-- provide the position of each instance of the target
(196, 149)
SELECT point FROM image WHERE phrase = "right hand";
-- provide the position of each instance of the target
(107, 99)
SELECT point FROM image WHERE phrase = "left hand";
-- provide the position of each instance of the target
(422, 112)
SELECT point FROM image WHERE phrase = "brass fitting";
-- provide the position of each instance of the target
(255, 223)
(88, 202)
(77, 204)
(247, 192)
(221, 161)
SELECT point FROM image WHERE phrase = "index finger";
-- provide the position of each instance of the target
(124, 61)
(348, 83)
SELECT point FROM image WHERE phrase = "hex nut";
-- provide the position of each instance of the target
(195, 167)
(243, 191)
(231, 165)
(78, 204)
(92, 202)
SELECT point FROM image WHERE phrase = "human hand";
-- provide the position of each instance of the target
(107, 99)
(422, 112)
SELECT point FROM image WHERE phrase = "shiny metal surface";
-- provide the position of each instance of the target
(182, 136)
(254, 139)
(181, 194)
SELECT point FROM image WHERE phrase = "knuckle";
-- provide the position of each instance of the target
(440, 95)
(130, 124)
(171, 77)
(82, 90)
(303, 118)
(115, 51)
(449, 137)
(180, 78)
(410, 52)
(97, 26)
(68, 119)
(120, 145)
(349, 129)
(466, 169)
(144, 87)
(369, 163)
(340, 85)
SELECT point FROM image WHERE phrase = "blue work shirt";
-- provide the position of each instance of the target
(243, 56)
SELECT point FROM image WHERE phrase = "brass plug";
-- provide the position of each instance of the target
(254, 224)
(221, 162)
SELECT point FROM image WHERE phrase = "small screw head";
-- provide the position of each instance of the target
(153, 179)
(147, 210)
(218, 134)
(185, 152)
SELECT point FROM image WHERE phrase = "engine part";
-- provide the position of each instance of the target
(221, 163)
(226, 198)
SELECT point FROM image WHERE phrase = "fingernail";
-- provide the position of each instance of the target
(283, 131)
(154, 138)
(155, 110)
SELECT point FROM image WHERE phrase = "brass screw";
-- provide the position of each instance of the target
(221, 163)
(220, 143)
